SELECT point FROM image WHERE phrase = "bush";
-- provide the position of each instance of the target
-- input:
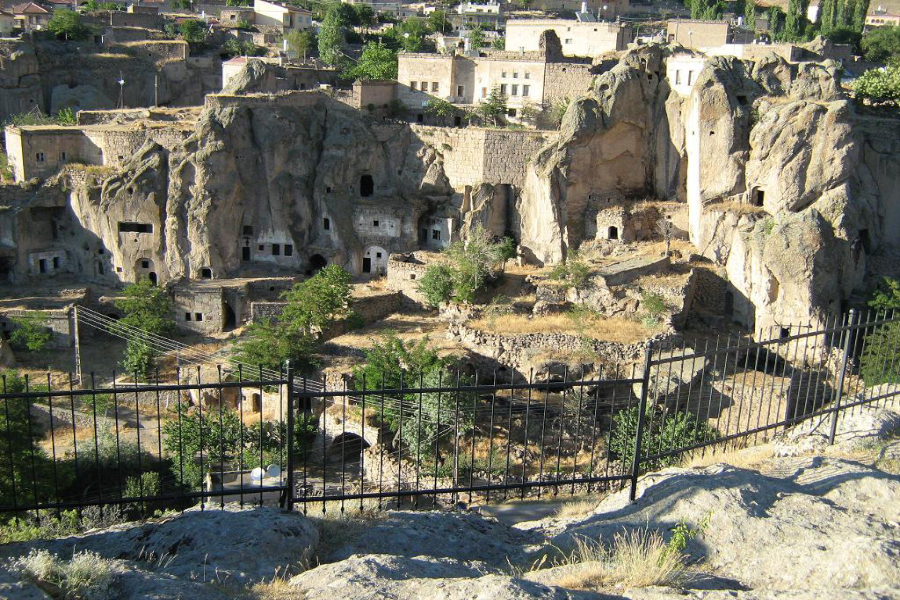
(436, 285)
(881, 44)
(31, 333)
(87, 576)
(880, 362)
(663, 430)
(575, 272)
(653, 304)
(67, 24)
(879, 86)
(507, 248)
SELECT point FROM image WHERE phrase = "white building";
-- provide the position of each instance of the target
(577, 38)
(682, 71)
(289, 18)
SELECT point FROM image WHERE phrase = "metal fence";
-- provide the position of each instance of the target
(423, 439)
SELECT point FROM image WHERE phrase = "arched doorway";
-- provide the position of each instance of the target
(375, 260)
(230, 320)
(143, 267)
(349, 445)
(317, 262)
(613, 233)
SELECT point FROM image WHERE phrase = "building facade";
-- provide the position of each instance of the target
(577, 38)
(692, 33)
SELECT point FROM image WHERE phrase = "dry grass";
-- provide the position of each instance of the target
(578, 507)
(87, 575)
(337, 527)
(743, 458)
(738, 208)
(638, 558)
(614, 329)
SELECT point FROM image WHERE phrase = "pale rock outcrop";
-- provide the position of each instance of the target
(231, 546)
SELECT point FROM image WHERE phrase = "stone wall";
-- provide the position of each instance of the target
(566, 80)
(475, 155)
(57, 321)
(404, 272)
(159, 49)
(135, 19)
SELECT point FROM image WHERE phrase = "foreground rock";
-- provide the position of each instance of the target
(807, 524)
(231, 547)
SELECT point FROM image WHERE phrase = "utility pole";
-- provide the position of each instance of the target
(77, 336)
(156, 89)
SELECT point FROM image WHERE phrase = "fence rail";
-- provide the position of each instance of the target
(420, 439)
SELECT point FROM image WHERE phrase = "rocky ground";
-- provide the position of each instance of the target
(808, 522)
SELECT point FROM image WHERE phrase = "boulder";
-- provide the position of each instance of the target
(232, 546)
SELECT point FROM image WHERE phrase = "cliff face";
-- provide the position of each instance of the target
(769, 134)
(265, 174)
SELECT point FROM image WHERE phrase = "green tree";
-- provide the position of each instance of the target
(707, 9)
(269, 345)
(880, 360)
(878, 85)
(437, 21)
(147, 309)
(181, 4)
(300, 42)
(750, 14)
(365, 16)
(499, 44)
(776, 22)
(826, 17)
(493, 109)
(440, 108)
(860, 8)
(471, 261)
(332, 38)
(31, 332)
(476, 37)
(377, 62)
(193, 32)
(436, 285)
(316, 303)
(663, 430)
(795, 21)
(68, 25)
(412, 33)
(881, 44)
(25, 470)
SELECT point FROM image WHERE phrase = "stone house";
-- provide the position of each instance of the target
(468, 15)
(7, 23)
(605, 9)
(285, 16)
(525, 78)
(695, 33)
(31, 16)
(682, 70)
(578, 38)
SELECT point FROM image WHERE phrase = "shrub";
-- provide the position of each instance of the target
(436, 285)
(653, 304)
(68, 25)
(87, 576)
(507, 248)
(664, 430)
(575, 272)
(31, 333)
(879, 86)
(879, 361)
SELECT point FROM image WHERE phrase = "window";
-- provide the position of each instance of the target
(412, 276)
(276, 249)
(39, 156)
(484, 92)
(326, 224)
(187, 316)
(436, 234)
(55, 262)
(527, 75)
(511, 112)
(690, 76)
(434, 86)
(515, 90)
(62, 156)
(503, 75)
(568, 41)
(145, 264)
(515, 74)
(378, 255)
(288, 249)
(262, 247)
(376, 223)
(677, 77)
(135, 227)
(248, 229)
(525, 89)
(198, 316)
(206, 273)
(424, 86)
(366, 186)
(460, 91)
(413, 85)
(503, 88)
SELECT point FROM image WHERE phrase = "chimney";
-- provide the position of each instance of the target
(584, 7)
(467, 45)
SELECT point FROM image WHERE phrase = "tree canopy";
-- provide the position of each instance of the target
(332, 35)
(376, 62)
(882, 45)
(68, 25)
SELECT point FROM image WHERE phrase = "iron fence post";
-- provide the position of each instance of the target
(642, 410)
(289, 480)
(848, 335)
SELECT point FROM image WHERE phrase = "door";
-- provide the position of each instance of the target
(367, 265)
